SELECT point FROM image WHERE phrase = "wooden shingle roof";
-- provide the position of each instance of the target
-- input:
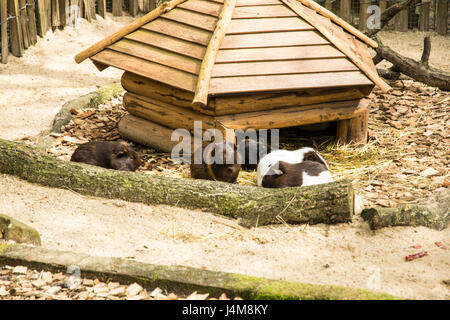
(263, 46)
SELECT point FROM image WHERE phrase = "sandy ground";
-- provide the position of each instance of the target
(347, 254)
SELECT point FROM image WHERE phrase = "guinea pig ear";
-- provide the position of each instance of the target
(275, 170)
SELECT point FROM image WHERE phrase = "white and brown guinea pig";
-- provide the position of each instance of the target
(318, 174)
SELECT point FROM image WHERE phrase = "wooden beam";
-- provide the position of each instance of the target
(341, 45)
(4, 30)
(363, 15)
(345, 6)
(204, 77)
(293, 116)
(134, 9)
(345, 10)
(165, 114)
(148, 133)
(97, 47)
(442, 17)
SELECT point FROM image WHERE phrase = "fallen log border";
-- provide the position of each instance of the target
(181, 279)
(253, 206)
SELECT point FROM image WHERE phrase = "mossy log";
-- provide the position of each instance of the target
(434, 214)
(327, 203)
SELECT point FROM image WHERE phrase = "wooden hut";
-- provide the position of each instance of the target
(234, 64)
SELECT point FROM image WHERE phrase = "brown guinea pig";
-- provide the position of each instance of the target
(224, 164)
(283, 174)
(107, 154)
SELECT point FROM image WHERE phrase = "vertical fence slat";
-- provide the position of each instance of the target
(32, 21)
(363, 15)
(424, 16)
(401, 21)
(133, 7)
(24, 22)
(15, 30)
(102, 8)
(382, 5)
(329, 4)
(41, 18)
(4, 30)
(441, 17)
(56, 21)
(345, 10)
(117, 8)
(63, 5)
(92, 4)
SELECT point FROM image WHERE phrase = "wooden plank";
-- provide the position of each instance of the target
(179, 30)
(266, 101)
(133, 7)
(273, 39)
(201, 6)
(238, 26)
(191, 18)
(48, 13)
(4, 31)
(168, 43)
(97, 47)
(204, 77)
(165, 114)
(41, 19)
(31, 21)
(15, 29)
(24, 23)
(286, 82)
(156, 90)
(101, 5)
(345, 10)
(424, 16)
(154, 54)
(155, 71)
(270, 11)
(293, 116)
(341, 45)
(246, 3)
(282, 67)
(281, 53)
(117, 7)
(442, 17)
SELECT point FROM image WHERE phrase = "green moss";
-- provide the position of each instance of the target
(4, 246)
(260, 288)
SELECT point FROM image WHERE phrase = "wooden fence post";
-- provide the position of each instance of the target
(329, 5)
(133, 7)
(345, 10)
(401, 21)
(32, 20)
(363, 15)
(15, 29)
(424, 16)
(24, 22)
(102, 8)
(117, 8)
(4, 30)
(441, 17)
(382, 5)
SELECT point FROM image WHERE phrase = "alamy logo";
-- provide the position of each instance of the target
(73, 14)
(374, 280)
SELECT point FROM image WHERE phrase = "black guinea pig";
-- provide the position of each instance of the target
(251, 152)
(107, 154)
(283, 174)
(223, 163)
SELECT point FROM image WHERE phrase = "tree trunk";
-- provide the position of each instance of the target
(327, 203)
(434, 214)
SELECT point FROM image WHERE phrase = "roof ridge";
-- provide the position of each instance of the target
(102, 44)
(209, 59)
